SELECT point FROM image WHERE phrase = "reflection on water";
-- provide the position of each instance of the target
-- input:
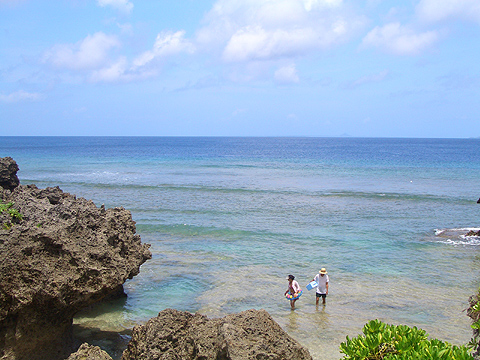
(292, 324)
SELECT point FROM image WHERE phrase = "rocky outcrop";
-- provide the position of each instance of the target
(89, 352)
(473, 233)
(63, 255)
(175, 335)
(8, 173)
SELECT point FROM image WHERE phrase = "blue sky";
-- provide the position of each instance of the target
(373, 68)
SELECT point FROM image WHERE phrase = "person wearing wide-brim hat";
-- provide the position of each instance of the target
(322, 286)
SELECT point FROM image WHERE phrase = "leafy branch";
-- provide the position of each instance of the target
(399, 342)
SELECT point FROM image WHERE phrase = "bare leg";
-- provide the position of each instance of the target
(292, 304)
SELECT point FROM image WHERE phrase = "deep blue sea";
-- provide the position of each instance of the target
(229, 218)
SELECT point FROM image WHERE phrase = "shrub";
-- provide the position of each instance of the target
(474, 313)
(399, 342)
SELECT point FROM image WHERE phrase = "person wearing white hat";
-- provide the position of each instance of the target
(322, 288)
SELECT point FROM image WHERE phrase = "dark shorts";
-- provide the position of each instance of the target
(321, 295)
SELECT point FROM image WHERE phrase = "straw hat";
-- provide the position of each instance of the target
(323, 271)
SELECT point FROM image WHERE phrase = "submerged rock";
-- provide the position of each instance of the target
(175, 335)
(63, 255)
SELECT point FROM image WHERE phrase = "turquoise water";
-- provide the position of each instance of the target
(229, 218)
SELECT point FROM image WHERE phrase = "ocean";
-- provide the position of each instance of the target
(229, 218)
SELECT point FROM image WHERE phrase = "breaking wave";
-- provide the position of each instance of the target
(458, 236)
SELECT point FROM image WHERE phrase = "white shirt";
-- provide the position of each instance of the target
(295, 287)
(322, 283)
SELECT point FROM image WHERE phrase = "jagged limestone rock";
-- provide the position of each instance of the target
(249, 335)
(64, 255)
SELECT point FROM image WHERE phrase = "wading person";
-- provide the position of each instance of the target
(322, 288)
(293, 290)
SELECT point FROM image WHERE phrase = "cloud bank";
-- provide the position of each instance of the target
(252, 30)
(254, 39)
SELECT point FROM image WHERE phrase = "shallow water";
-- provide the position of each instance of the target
(229, 218)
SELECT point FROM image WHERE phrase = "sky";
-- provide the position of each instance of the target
(322, 68)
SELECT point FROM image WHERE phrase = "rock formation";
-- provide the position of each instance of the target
(175, 335)
(89, 352)
(8, 173)
(61, 255)
(473, 233)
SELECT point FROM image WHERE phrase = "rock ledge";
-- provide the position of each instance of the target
(249, 335)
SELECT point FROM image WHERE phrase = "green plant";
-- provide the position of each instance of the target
(399, 342)
(474, 313)
(15, 215)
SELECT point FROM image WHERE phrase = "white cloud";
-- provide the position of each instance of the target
(124, 6)
(167, 44)
(399, 40)
(247, 30)
(287, 75)
(439, 10)
(20, 96)
(121, 71)
(145, 65)
(114, 72)
(93, 57)
(255, 43)
(90, 53)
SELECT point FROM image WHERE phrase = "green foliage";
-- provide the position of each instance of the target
(474, 310)
(15, 215)
(476, 306)
(399, 342)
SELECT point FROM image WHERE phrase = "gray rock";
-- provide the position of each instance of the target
(249, 335)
